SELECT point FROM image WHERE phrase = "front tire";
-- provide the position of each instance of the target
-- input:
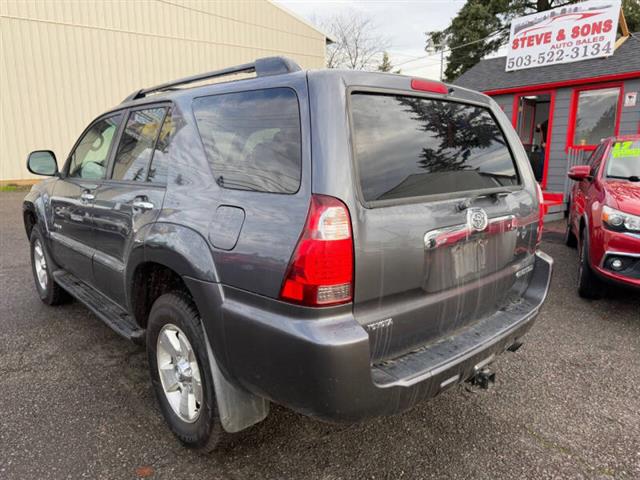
(48, 290)
(570, 240)
(180, 372)
(589, 286)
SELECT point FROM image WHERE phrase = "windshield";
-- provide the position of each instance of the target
(624, 160)
(410, 147)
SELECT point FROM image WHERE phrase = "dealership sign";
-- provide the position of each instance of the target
(575, 32)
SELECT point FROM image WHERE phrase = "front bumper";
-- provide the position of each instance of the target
(622, 246)
(321, 367)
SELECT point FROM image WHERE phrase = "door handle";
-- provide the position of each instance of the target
(87, 196)
(142, 204)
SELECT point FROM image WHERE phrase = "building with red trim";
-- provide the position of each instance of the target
(562, 111)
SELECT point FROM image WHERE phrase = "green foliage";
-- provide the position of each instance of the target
(479, 19)
(386, 65)
(631, 10)
(14, 188)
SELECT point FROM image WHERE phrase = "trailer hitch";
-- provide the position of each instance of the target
(482, 378)
(482, 374)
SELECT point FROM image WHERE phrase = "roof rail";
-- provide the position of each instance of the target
(263, 67)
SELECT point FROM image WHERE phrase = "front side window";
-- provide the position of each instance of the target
(596, 157)
(595, 116)
(252, 139)
(410, 147)
(89, 158)
(136, 144)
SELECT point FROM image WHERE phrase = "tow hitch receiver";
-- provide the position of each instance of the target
(483, 375)
(483, 378)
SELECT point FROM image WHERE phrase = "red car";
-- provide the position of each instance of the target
(604, 215)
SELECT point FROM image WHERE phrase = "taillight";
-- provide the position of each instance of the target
(320, 272)
(542, 210)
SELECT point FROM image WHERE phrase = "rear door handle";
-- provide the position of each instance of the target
(140, 203)
(87, 196)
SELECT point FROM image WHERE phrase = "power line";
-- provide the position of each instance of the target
(443, 50)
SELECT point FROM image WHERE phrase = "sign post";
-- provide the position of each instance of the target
(572, 33)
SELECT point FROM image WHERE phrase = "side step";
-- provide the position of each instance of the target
(108, 311)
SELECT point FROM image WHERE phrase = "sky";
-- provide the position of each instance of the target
(403, 22)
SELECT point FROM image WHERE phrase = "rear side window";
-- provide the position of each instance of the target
(252, 139)
(410, 147)
(136, 144)
(160, 162)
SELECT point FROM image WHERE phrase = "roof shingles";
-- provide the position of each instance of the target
(490, 74)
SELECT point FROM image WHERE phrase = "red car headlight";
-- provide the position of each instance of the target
(620, 221)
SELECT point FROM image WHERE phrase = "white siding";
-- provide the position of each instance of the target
(62, 63)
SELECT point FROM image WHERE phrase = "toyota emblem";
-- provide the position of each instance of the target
(477, 219)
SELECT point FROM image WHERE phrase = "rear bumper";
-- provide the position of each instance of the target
(321, 367)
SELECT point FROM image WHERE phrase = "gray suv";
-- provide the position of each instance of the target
(343, 243)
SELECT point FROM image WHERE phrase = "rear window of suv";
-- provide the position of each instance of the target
(252, 139)
(411, 147)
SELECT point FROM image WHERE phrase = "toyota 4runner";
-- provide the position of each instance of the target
(342, 243)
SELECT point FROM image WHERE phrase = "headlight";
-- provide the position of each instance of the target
(620, 221)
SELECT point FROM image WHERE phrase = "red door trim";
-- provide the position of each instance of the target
(552, 111)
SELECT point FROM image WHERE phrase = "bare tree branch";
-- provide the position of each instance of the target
(357, 45)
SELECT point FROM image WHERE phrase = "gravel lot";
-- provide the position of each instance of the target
(76, 402)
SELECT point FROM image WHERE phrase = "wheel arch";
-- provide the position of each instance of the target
(29, 217)
(175, 257)
(162, 256)
(181, 249)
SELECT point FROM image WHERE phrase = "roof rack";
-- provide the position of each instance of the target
(263, 67)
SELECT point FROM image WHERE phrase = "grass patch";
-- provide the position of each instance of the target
(12, 187)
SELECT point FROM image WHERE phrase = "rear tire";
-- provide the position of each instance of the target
(589, 285)
(48, 290)
(186, 371)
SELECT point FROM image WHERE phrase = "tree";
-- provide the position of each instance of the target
(357, 42)
(386, 65)
(480, 28)
(631, 10)
(455, 132)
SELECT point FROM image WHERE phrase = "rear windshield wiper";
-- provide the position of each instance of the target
(631, 178)
(467, 202)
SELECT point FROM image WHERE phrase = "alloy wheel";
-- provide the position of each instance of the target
(40, 263)
(179, 373)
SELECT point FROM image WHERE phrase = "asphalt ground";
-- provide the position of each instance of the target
(76, 400)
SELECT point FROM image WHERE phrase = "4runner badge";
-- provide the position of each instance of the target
(477, 219)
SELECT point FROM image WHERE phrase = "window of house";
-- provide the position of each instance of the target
(252, 139)
(137, 143)
(595, 115)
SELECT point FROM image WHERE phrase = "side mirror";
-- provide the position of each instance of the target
(580, 173)
(42, 162)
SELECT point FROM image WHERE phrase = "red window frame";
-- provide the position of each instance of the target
(552, 109)
(573, 112)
